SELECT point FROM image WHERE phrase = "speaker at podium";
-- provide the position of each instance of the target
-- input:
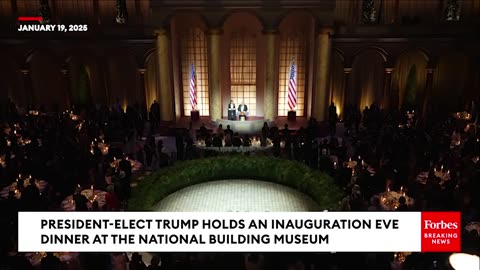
(232, 111)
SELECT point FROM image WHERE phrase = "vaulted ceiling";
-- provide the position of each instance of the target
(140, 11)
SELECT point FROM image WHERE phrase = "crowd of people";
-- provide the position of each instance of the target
(389, 150)
(47, 157)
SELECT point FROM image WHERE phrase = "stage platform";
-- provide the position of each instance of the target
(252, 126)
(185, 122)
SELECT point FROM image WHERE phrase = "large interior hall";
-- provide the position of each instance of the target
(243, 51)
(240, 106)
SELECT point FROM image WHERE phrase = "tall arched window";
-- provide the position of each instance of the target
(292, 47)
(243, 70)
(194, 51)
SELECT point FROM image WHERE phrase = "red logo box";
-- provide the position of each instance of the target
(441, 232)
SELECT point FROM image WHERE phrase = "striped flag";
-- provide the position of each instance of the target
(292, 87)
(193, 88)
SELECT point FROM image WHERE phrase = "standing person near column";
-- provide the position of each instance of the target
(154, 115)
(332, 119)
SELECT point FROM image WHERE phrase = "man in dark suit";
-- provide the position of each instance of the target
(332, 118)
(231, 110)
(51, 262)
(242, 110)
(154, 115)
(228, 131)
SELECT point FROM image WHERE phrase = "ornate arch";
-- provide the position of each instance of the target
(425, 53)
(250, 12)
(147, 55)
(31, 54)
(409, 78)
(381, 51)
(340, 52)
(367, 76)
(76, 52)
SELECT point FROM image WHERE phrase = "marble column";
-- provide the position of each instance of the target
(387, 88)
(96, 13)
(66, 88)
(427, 94)
(346, 91)
(214, 76)
(269, 91)
(27, 84)
(321, 95)
(164, 76)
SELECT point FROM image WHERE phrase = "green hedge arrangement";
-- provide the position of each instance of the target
(153, 188)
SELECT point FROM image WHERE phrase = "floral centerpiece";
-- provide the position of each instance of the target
(389, 199)
(463, 115)
(401, 256)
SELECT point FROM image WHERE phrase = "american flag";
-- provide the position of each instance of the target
(292, 87)
(193, 88)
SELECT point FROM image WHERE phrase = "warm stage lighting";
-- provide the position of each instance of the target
(463, 261)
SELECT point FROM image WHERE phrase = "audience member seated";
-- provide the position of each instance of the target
(154, 264)
(236, 141)
(402, 204)
(228, 139)
(51, 262)
(217, 141)
(203, 132)
(246, 141)
(119, 261)
(136, 263)
(80, 200)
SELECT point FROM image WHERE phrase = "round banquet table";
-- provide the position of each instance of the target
(136, 165)
(422, 178)
(444, 176)
(103, 148)
(473, 226)
(255, 147)
(241, 149)
(69, 205)
(68, 258)
(41, 185)
(389, 200)
(465, 116)
(350, 164)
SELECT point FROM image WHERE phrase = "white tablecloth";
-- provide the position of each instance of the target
(473, 226)
(443, 175)
(389, 200)
(41, 185)
(69, 205)
(241, 149)
(36, 258)
(136, 165)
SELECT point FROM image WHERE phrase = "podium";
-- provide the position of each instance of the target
(194, 115)
(232, 115)
(292, 116)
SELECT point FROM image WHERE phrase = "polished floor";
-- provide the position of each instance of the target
(237, 196)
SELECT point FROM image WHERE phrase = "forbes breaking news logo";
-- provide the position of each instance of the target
(441, 232)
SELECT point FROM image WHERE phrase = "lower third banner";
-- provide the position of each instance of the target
(239, 232)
